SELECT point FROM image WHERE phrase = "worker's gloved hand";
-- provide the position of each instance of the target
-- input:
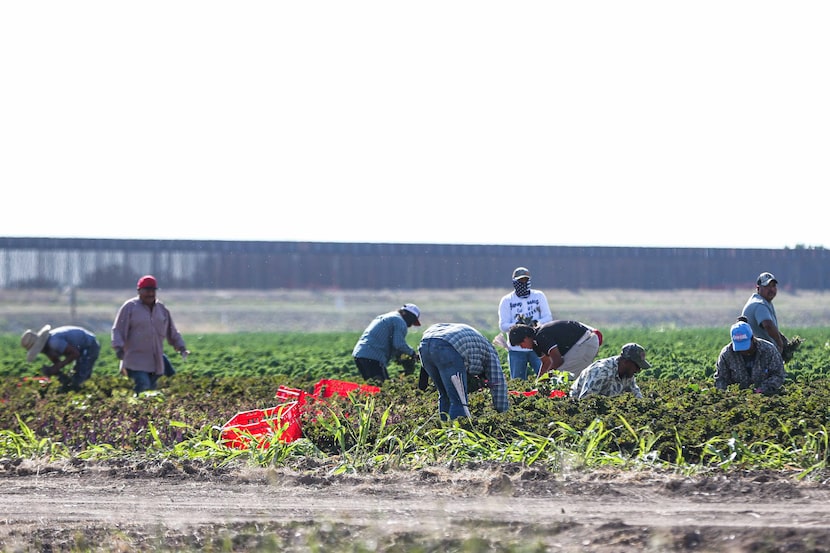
(119, 353)
(790, 347)
(408, 363)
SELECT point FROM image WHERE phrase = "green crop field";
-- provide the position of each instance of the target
(682, 422)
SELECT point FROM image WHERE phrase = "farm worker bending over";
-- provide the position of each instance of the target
(522, 306)
(141, 326)
(449, 351)
(749, 362)
(612, 376)
(63, 345)
(563, 345)
(385, 338)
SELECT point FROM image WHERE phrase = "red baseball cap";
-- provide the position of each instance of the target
(147, 281)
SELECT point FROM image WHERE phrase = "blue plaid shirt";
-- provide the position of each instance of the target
(479, 357)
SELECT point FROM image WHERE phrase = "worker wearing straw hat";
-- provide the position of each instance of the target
(62, 346)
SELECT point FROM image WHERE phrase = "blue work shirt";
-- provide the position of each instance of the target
(384, 338)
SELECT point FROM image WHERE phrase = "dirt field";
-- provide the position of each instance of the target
(174, 507)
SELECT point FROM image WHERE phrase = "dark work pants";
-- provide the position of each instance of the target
(370, 369)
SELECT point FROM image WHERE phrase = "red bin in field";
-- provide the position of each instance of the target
(259, 426)
(529, 393)
(328, 388)
(286, 393)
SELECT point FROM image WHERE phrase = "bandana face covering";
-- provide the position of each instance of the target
(522, 287)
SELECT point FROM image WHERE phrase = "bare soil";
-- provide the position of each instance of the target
(122, 506)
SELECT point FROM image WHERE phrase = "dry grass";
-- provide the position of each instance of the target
(218, 311)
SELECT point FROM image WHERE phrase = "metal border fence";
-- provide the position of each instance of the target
(197, 264)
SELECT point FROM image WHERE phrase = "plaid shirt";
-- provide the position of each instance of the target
(479, 357)
(602, 378)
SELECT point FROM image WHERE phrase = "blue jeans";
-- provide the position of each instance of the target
(83, 366)
(442, 363)
(143, 381)
(519, 360)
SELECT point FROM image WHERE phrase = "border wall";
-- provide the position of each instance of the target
(196, 264)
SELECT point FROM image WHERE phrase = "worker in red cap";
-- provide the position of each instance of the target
(141, 327)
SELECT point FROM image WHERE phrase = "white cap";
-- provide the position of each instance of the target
(412, 308)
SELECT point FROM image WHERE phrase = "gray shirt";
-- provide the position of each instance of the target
(757, 310)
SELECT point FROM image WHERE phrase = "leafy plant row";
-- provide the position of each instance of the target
(682, 420)
(674, 353)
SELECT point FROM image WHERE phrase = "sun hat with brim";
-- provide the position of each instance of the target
(35, 343)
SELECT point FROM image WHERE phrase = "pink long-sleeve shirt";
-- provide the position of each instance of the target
(141, 332)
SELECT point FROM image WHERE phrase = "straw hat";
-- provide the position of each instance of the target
(35, 342)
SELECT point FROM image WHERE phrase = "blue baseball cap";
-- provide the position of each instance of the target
(741, 336)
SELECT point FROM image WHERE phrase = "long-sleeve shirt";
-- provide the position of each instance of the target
(384, 338)
(479, 356)
(513, 309)
(141, 332)
(764, 370)
(602, 377)
(63, 336)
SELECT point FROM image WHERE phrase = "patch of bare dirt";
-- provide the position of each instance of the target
(176, 506)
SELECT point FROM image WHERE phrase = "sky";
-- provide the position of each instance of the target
(605, 123)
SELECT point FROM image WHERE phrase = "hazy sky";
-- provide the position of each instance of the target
(681, 124)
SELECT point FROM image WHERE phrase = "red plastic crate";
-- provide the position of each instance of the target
(242, 436)
(553, 394)
(328, 388)
(250, 417)
(286, 393)
(260, 425)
